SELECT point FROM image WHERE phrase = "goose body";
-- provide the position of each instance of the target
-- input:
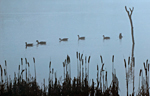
(106, 37)
(63, 39)
(41, 42)
(29, 45)
(81, 38)
(120, 36)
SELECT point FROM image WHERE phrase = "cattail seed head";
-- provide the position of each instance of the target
(79, 57)
(113, 58)
(140, 72)
(19, 67)
(101, 59)
(5, 63)
(125, 63)
(1, 71)
(146, 71)
(21, 61)
(77, 54)
(128, 60)
(33, 59)
(28, 64)
(148, 67)
(26, 61)
(22, 71)
(89, 59)
(144, 65)
(50, 64)
(63, 64)
(52, 70)
(97, 67)
(147, 63)
(68, 59)
(5, 72)
(102, 67)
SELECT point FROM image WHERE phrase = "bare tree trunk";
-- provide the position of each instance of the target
(133, 42)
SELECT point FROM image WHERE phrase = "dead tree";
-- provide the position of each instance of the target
(133, 42)
(129, 15)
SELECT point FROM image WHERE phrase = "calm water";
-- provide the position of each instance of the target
(49, 20)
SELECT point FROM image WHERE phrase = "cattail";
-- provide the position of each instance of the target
(34, 68)
(101, 59)
(5, 72)
(77, 54)
(19, 72)
(22, 61)
(89, 59)
(128, 60)
(102, 67)
(112, 58)
(22, 71)
(140, 72)
(144, 65)
(85, 67)
(52, 75)
(82, 72)
(68, 59)
(33, 59)
(79, 57)
(125, 63)
(147, 63)
(26, 60)
(148, 67)
(5, 63)
(1, 74)
(146, 72)
(28, 70)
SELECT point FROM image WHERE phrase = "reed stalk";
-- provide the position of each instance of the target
(77, 63)
(22, 68)
(85, 67)
(126, 75)
(49, 71)
(112, 67)
(52, 75)
(34, 68)
(28, 72)
(82, 72)
(88, 67)
(97, 76)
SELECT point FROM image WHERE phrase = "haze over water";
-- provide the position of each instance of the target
(49, 20)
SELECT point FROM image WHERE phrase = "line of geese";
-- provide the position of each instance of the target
(65, 39)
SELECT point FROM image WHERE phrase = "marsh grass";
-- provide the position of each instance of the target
(78, 86)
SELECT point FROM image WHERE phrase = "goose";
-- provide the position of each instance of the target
(80, 38)
(106, 37)
(63, 39)
(41, 42)
(29, 45)
(120, 36)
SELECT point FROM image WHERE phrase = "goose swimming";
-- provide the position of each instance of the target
(63, 39)
(106, 37)
(41, 42)
(29, 45)
(81, 38)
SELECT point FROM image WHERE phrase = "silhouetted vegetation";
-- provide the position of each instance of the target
(78, 86)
